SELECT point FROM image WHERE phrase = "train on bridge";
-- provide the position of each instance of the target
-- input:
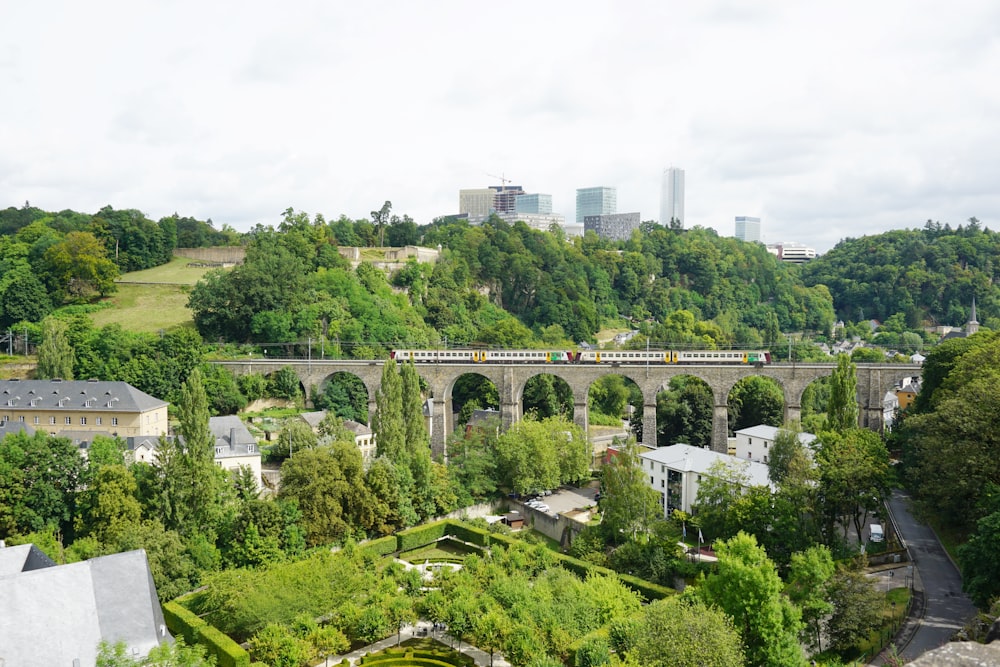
(614, 357)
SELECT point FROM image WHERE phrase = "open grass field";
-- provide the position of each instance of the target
(152, 300)
(174, 272)
(146, 308)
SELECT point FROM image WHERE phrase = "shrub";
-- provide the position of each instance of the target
(421, 535)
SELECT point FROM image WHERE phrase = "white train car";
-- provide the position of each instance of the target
(644, 357)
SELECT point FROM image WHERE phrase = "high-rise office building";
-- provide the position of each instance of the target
(614, 226)
(748, 229)
(672, 197)
(595, 201)
(476, 202)
(533, 203)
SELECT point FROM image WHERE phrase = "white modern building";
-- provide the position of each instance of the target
(675, 472)
(792, 252)
(748, 229)
(672, 196)
(600, 200)
(754, 443)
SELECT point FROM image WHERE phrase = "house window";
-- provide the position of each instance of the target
(83, 421)
(99, 420)
(651, 480)
(114, 421)
(21, 418)
(218, 450)
(69, 421)
(250, 448)
(36, 420)
(663, 483)
(52, 420)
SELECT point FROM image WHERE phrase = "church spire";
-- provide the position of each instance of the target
(972, 326)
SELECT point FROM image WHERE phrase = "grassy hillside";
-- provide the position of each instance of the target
(153, 299)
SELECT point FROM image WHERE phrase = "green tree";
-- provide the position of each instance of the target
(173, 654)
(978, 559)
(808, 578)
(678, 632)
(629, 504)
(388, 423)
(55, 354)
(755, 400)
(109, 508)
(275, 645)
(854, 478)
(79, 267)
(842, 410)
(857, 608)
(40, 477)
(746, 586)
(787, 447)
(328, 486)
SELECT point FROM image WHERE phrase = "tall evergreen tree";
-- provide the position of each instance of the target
(192, 412)
(55, 354)
(842, 410)
(387, 423)
(416, 440)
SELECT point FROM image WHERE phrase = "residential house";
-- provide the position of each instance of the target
(58, 614)
(235, 446)
(675, 472)
(755, 442)
(82, 409)
(364, 437)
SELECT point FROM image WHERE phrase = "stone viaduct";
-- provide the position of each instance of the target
(873, 382)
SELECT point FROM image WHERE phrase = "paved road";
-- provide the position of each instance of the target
(947, 608)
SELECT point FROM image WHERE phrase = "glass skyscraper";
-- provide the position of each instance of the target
(672, 197)
(748, 229)
(595, 201)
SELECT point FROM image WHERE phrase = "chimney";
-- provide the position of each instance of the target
(232, 438)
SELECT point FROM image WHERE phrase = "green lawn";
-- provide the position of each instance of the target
(443, 550)
(174, 272)
(146, 308)
(152, 300)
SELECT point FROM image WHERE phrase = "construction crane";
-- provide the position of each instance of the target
(503, 181)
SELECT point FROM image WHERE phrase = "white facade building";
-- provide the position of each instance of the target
(672, 196)
(676, 472)
(755, 442)
(792, 252)
(476, 201)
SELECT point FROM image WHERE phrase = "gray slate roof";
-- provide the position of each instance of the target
(53, 615)
(8, 428)
(232, 435)
(75, 395)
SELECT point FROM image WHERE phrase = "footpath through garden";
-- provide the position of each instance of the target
(421, 629)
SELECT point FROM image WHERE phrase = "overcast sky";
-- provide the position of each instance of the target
(827, 120)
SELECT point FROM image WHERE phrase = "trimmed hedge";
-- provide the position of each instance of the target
(647, 589)
(196, 631)
(383, 546)
(469, 534)
(183, 622)
(411, 538)
(452, 658)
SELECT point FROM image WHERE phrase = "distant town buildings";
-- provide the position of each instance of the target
(748, 229)
(792, 252)
(598, 200)
(672, 196)
(614, 226)
(481, 202)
